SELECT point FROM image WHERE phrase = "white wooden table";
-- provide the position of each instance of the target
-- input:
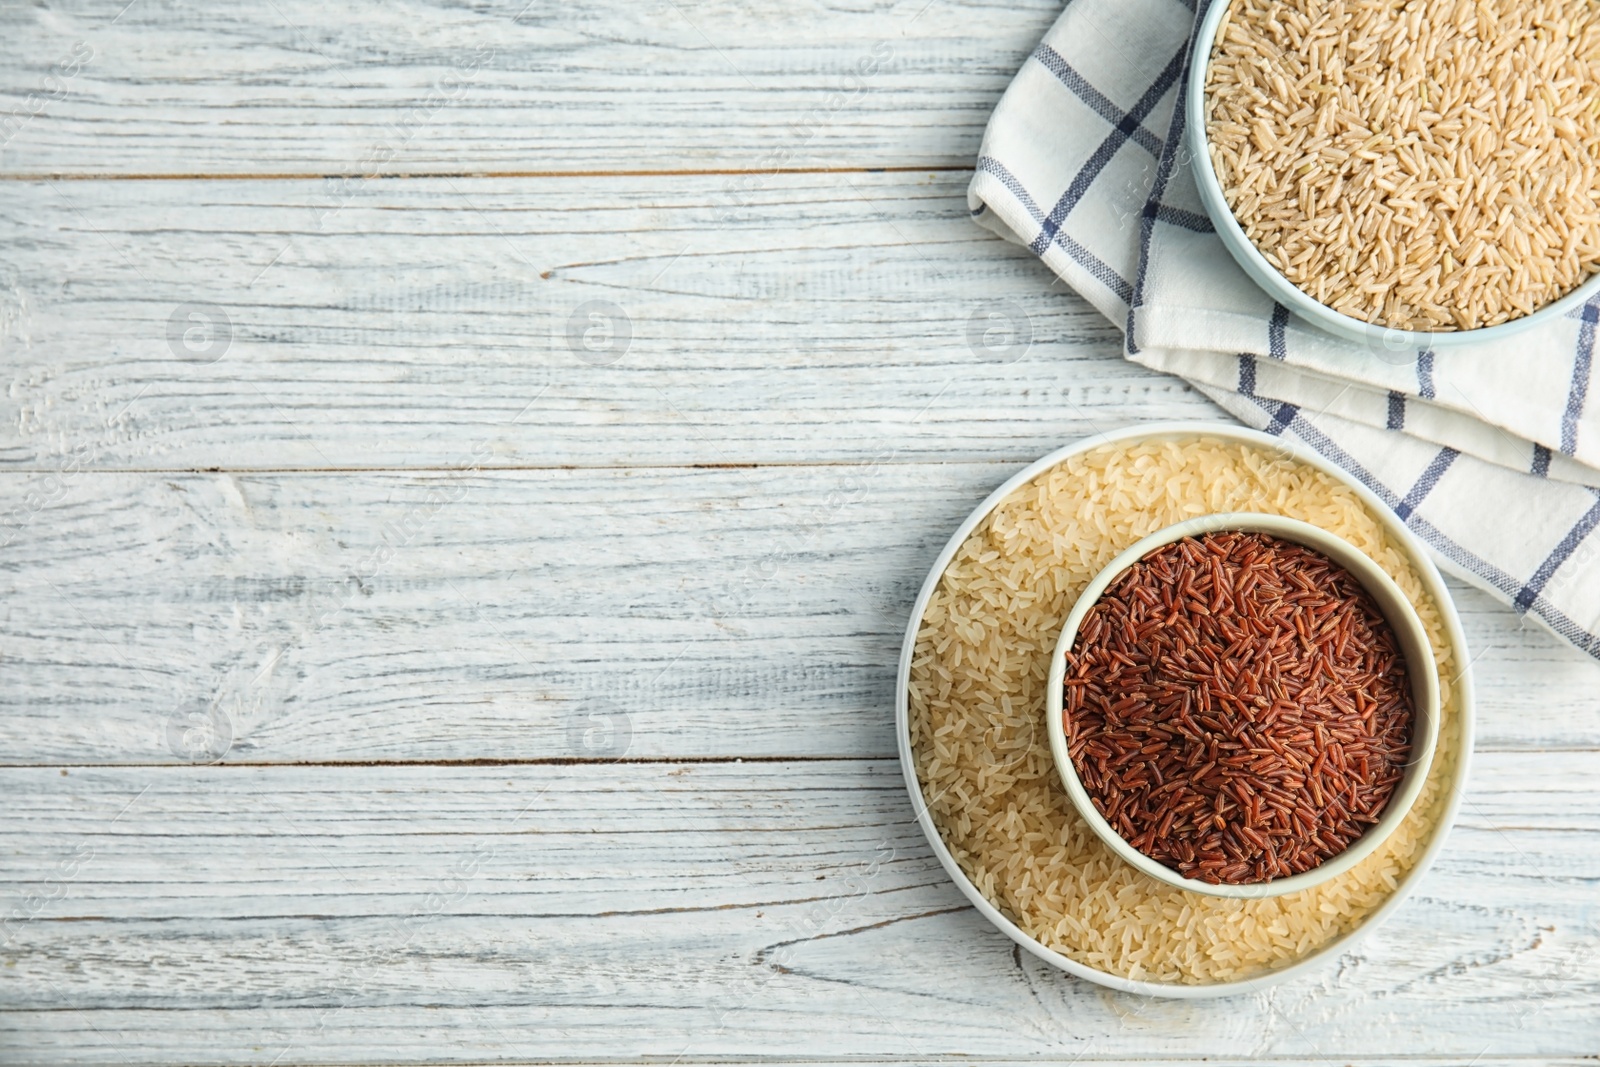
(399, 668)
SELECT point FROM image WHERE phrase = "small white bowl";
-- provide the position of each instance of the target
(1262, 271)
(1409, 634)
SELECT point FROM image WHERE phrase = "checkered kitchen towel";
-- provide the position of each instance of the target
(1490, 454)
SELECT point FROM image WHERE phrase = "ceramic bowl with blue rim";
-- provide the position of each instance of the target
(1374, 336)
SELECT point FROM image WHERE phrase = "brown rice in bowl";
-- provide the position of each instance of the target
(976, 743)
(1422, 166)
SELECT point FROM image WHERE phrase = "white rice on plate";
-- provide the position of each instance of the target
(977, 705)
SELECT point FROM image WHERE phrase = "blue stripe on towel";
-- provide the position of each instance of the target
(1578, 390)
(1563, 551)
(1277, 332)
(1424, 485)
(1102, 105)
(1109, 147)
(1397, 411)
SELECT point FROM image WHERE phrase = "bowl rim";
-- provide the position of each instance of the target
(1409, 631)
(1274, 284)
(1432, 581)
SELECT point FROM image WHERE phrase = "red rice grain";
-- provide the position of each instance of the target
(1237, 708)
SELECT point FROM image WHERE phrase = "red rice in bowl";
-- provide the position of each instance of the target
(1236, 707)
(977, 700)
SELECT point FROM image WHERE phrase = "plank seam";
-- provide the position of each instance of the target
(579, 761)
(269, 176)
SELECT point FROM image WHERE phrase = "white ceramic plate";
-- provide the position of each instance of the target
(1431, 581)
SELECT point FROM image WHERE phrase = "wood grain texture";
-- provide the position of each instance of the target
(838, 318)
(302, 473)
(337, 914)
(504, 85)
(513, 614)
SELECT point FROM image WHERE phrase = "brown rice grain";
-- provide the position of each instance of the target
(1427, 165)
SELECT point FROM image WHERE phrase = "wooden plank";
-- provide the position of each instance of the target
(426, 86)
(839, 318)
(522, 615)
(341, 914)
